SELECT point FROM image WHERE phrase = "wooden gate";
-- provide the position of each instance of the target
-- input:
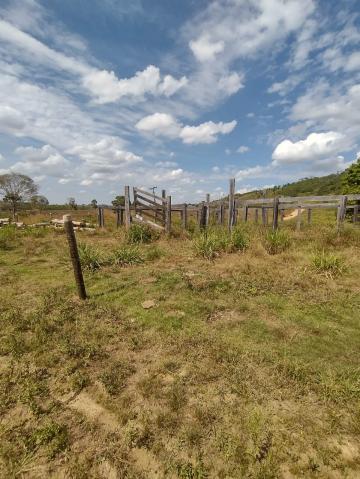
(152, 209)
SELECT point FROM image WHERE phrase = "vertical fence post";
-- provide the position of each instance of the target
(356, 212)
(275, 224)
(263, 215)
(231, 202)
(207, 209)
(127, 207)
(184, 216)
(256, 216)
(202, 215)
(74, 255)
(309, 216)
(298, 218)
(168, 215)
(341, 212)
(221, 214)
(245, 212)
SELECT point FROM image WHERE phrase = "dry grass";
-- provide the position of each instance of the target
(247, 366)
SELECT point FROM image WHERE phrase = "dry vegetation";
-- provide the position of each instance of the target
(246, 365)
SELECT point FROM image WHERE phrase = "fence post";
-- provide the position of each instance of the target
(298, 218)
(356, 212)
(184, 216)
(275, 224)
(221, 214)
(207, 209)
(231, 203)
(341, 211)
(256, 216)
(168, 215)
(263, 215)
(74, 255)
(245, 212)
(309, 216)
(202, 215)
(127, 207)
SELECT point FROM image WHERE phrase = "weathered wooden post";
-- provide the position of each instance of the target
(245, 211)
(184, 216)
(298, 218)
(74, 255)
(263, 215)
(168, 215)
(101, 220)
(256, 216)
(202, 215)
(275, 224)
(231, 203)
(207, 219)
(355, 214)
(341, 211)
(119, 217)
(221, 213)
(127, 207)
(309, 211)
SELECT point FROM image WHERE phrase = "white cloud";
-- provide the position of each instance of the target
(41, 161)
(353, 62)
(206, 132)
(250, 115)
(231, 83)
(11, 120)
(205, 49)
(166, 125)
(243, 149)
(315, 147)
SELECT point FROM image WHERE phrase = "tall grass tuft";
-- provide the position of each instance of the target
(91, 258)
(141, 234)
(277, 241)
(7, 237)
(239, 240)
(127, 256)
(210, 243)
(328, 264)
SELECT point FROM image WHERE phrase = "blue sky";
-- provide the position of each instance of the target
(179, 95)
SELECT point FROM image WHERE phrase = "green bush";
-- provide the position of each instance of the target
(210, 243)
(153, 253)
(276, 241)
(328, 264)
(239, 241)
(141, 234)
(90, 258)
(7, 237)
(127, 256)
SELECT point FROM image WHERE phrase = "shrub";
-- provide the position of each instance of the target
(238, 240)
(209, 244)
(126, 256)
(141, 234)
(90, 258)
(328, 264)
(277, 241)
(7, 237)
(153, 253)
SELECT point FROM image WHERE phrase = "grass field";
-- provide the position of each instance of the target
(244, 365)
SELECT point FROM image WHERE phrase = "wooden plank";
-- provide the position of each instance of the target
(143, 192)
(231, 203)
(140, 219)
(147, 200)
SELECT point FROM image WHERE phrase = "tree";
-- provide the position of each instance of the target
(351, 179)
(39, 201)
(16, 188)
(72, 203)
(94, 204)
(118, 201)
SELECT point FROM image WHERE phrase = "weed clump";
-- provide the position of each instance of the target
(141, 234)
(7, 237)
(277, 241)
(90, 258)
(127, 256)
(238, 240)
(328, 264)
(209, 244)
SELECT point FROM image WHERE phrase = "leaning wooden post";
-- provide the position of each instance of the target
(127, 207)
(168, 215)
(184, 216)
(74, 254)
(231, 203)
(275, 224)
(298, 218)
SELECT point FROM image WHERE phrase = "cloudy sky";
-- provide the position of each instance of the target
(182, 95)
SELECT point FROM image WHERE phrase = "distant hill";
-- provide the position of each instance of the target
(322, 185)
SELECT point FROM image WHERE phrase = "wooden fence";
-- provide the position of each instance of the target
(157, 211)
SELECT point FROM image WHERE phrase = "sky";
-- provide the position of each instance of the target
(181, 95)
